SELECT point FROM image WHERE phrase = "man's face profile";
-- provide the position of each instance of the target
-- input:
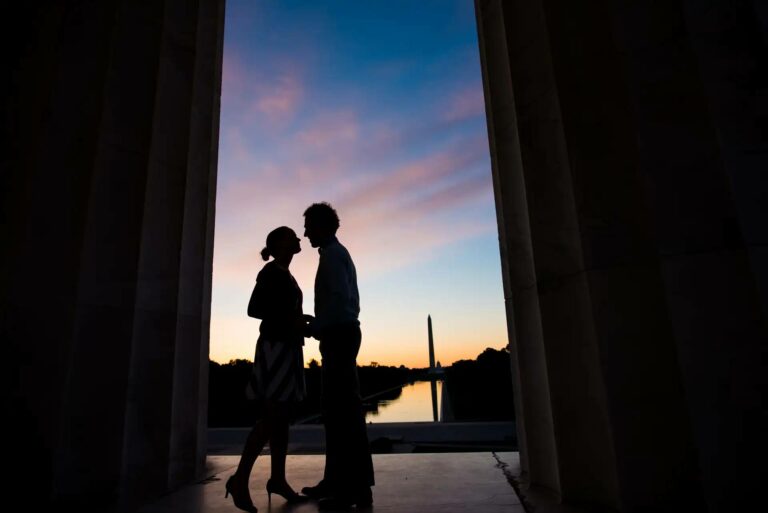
(311, 232)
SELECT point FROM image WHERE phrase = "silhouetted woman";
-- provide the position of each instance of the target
(277, 380)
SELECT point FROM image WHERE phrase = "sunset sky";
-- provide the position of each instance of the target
(376, 107)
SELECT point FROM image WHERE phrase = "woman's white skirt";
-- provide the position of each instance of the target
(278, 372)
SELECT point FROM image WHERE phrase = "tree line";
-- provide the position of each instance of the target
(478, 390)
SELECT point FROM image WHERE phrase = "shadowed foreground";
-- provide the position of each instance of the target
(405, 483)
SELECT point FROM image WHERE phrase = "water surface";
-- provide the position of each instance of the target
(415, 404)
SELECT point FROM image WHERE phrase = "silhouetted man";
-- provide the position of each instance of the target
(348, 465)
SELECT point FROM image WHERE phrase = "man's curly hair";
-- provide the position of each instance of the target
(323, 214)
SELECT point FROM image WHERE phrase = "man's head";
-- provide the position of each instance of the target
(320, 223)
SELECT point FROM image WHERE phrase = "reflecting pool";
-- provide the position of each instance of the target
(419, 402)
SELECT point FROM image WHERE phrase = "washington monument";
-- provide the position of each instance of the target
(431, 345)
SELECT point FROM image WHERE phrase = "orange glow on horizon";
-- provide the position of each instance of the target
(465, 343)
(417, 362)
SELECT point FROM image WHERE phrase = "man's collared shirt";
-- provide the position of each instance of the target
(337, 300)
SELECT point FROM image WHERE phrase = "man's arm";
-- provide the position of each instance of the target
(334, 288)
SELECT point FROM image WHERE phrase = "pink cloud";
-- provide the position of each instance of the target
(390, 241)
(318, 156)
(237, 145)
(334, 172)
(447, 116)
(233, 72)
(417, 177)
(467, 103)
(478, 187)
(270, 93)
(410, 211)
(390, 245)
(280, 99)
(330, 130)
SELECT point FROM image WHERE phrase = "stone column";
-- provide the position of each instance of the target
(189, 432)
(639, 153)
(696, 73)
(106, 286)
(533, 409)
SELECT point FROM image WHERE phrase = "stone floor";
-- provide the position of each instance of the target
(405, 483)
(387, 437)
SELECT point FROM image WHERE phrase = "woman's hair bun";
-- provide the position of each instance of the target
(265, 253)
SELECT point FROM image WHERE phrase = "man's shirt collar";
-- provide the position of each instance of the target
(327, 242)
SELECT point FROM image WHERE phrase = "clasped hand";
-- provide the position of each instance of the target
(307, 328)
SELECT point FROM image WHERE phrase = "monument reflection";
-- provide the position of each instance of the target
(413, 405)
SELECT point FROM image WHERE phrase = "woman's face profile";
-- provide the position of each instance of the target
(289, 243)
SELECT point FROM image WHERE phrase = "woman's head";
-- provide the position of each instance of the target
(281, 241)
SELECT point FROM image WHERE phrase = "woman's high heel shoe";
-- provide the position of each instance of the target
(240, 495)
(285, 492)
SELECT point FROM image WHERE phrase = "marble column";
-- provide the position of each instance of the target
(108, 211)
(533, 409)
(697, 78)
(638, 146)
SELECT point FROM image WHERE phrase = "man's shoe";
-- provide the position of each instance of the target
(362, 499)
(316, 492)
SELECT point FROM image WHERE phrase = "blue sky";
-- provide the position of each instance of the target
(377, 108)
